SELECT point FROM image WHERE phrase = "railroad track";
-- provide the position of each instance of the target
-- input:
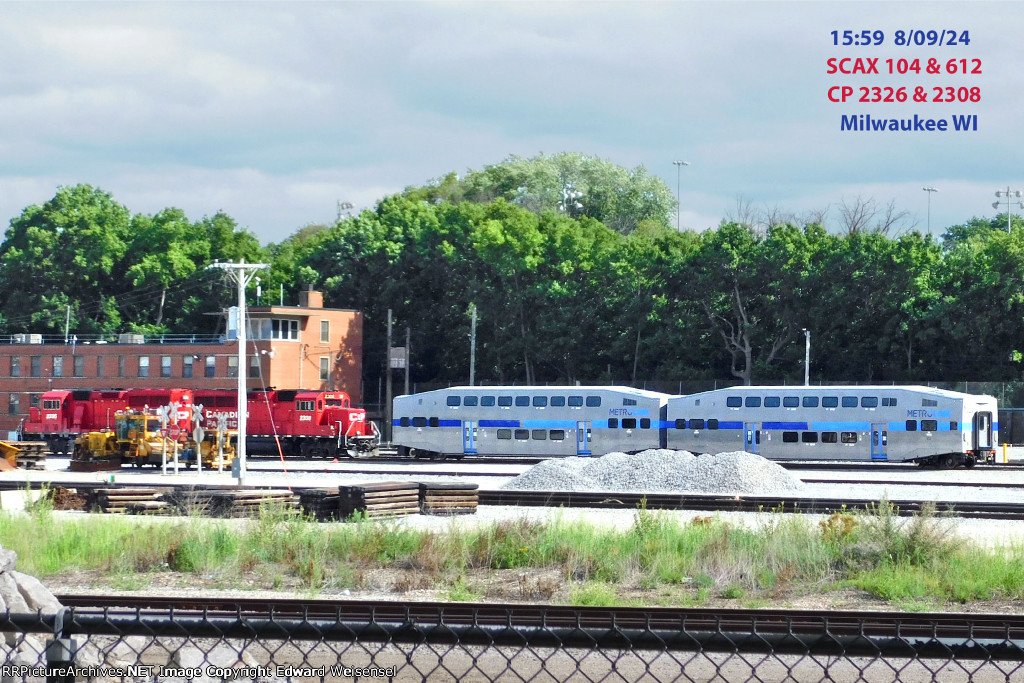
(871, 633)
(737, 503)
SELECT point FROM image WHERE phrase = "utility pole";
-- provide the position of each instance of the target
(679, 167)
(1012, 197)
(387, 381)
(472, 346)
(930, 190)
(408, 358)
(242, 273)
(807, 357)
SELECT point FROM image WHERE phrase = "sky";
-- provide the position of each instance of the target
(275, 112)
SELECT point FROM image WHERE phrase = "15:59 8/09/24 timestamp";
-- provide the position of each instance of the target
(931, 38)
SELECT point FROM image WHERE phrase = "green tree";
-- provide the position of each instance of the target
(67, 252)
(575, 184)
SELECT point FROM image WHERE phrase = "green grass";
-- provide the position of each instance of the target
(915, 561)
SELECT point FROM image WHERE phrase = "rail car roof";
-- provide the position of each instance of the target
(547, 389)
(919, 389)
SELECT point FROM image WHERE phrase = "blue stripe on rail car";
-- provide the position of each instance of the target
(549, 424)
(723, 424)
(449, 423)
(841, 426)
(498, 423)
(784, 425)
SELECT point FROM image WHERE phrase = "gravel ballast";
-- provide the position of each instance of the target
(659, 469)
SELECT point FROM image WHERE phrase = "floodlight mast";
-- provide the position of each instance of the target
(242, 273)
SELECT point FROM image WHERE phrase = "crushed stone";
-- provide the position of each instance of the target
(659, 470)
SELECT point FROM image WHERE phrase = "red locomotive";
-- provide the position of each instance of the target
(296, 422)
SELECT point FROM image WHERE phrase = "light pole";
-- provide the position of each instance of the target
(929, 190)
(242, 273)
(1010, 195)
(679, 168)
(807, 357)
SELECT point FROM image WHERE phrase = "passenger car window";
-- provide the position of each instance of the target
(540, 401)
(486, 401)
(454, 401)
(645, 423)
(557, 435)
(575, 401)
(697, 424)
(522, 401)
(828, 437)
(809, 437)
(419, 422)
(734, 402)
(505, 401)
(849, 401)
(613, 423)
(791, 402)
(929, 425)
(504, 433)
(829, 402)
(911, 425)
(789, 437)
(849, 437)
(629, 423)
(772, 401)
(469, 401)
(712, 423)
(680, 424)
(753, 401)
(868, 401)
(539, 434)
(810, 401)
(522, 434)
(593, 401)
(557, 401)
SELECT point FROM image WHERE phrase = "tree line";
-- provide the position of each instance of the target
(575, 273)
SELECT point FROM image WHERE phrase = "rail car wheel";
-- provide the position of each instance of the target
(948, 461)
(970, 462)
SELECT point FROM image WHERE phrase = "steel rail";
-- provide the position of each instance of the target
(856, 633)
(741, 503)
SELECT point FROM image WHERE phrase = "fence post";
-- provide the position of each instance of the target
(60, 652)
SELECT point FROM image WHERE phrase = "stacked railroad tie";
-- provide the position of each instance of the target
(320, 504)
(449, 498)
(382, 499)
(232, 502)
(134, 500)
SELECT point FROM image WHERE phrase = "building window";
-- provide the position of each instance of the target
(186, 366)
(165, 366)
(143, 366)
(254, 366)
(325, 331)
(37, 366)
(99, 366)
(120, 366)
(232, 366)
(325, 368)
(79, 368)
(14, 407)
(284, 329)
(211, 366)
(34, 400)
(58, 366)
(15, 366)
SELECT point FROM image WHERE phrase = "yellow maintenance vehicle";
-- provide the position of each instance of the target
(28, 455)
(137, 439)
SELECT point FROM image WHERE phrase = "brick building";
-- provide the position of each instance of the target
(289, 347)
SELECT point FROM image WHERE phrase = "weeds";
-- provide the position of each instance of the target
(916, 560)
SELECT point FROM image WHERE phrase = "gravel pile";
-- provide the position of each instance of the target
(659, 469)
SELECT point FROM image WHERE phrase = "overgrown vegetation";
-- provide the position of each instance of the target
(915, 562)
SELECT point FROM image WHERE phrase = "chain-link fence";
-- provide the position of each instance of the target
(451, 642)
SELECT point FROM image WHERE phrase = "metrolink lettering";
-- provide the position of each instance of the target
(915, 124)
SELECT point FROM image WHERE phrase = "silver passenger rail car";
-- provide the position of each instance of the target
(873, 423)
(538, 421)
